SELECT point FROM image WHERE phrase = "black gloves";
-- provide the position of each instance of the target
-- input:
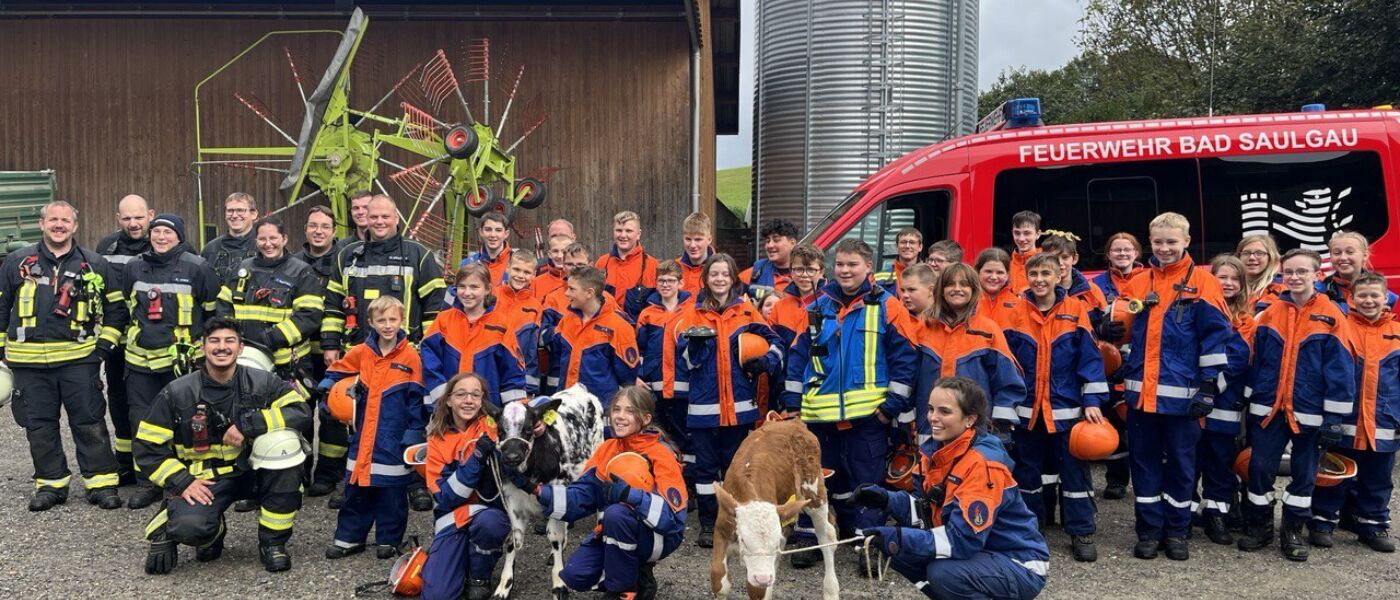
(1204, 402)
(1112, 331)
(871, 495)
(1002, 429)
(485, 447)
(1329, 436)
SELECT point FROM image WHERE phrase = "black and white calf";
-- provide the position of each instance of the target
(573, 420)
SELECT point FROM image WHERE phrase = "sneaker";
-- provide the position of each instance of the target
(1176, 549)
(145, 495)
(804, 560)
(1216, 529)
(47, 498)
(213, 551)
(105, 498)
(320, 488)
(1146, 549)
(706, 539)
(1380, 541)
(1290, 542)
(1320, 539)
(336, 500)
(275, 558)
(245, 506)
(1082, 547)
(1115, 491)
(336, 551)
(419, 499)
(162, 557)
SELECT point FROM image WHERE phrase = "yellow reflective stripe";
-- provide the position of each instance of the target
(25, 302)
(121, 445)
(60, 483)
(114, 296)
(336, 286)
(221, 452)
(156, 523)
(49, 352)
(287, 399)
(872, 340)
(289, 332)
(828, 407)
(273, 418)
(310, 301)
(111, 334)
(226, 294)
(435, 284)
(167, 468)
(275, 520)
(185, 304)
(153, 434)
(210, 306)
(331, 450)
(100, 481)
(267, 314)
(332, 324)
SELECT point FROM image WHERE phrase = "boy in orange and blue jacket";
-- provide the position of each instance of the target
(658, 368)
(389, 417)
(593, 343)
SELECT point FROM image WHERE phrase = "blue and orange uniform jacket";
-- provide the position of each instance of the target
(599, 351)
(1061, 360)
(1177, 344)
(658, 350)
(1303, 370)
(690, 272)
(1112, 280)
(1229, 409)
(868, 365)
(631, 278)
(526, 314)
(555, 305)
(1339, 290)
(999, 307)
(789, 316)
(1376, 345)
(389, 416)
(975, 349)
(455, 475)
(1270, 294)
(721, 394)
(1089, 293)
(456, 344)
(764, 273)
(890, 279)
(497, 266)
(662, 509)
(1017, 269)
(548, 278)
(982, 510)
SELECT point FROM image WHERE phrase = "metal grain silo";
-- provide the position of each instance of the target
(845, 86)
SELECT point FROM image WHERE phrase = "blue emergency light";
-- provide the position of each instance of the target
(1314, 108)
(1012, 114)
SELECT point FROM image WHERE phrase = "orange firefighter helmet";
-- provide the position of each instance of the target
(1092, 441)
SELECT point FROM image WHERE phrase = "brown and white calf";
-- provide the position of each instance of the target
(776, 473)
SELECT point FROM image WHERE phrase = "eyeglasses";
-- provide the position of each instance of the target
(460, 394)
(237, 211)
(1298, 272)
(806, 271)
(1253, 254)
(667, 281)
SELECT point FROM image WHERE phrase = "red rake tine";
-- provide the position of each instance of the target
(396, 87)
(260, 110)
(511, 98)
(296, 75)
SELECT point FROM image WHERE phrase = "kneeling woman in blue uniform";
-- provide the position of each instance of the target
(468, 530)
(967, 534)
(639, 526)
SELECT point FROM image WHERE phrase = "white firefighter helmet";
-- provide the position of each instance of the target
(254, 358)
(281, 449)
(7, 384)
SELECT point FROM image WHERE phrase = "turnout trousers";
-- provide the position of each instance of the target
(1035, 447)
(464, 552)
(1268, 443)
(124, 420)
(1215, 462)
(1164, 472)
(278, 493)
(40, 396)
(985, 575)
(714, 448)
(383, 508)
(1363, 500)
(608, 559)
(332, 436)
(141, 389)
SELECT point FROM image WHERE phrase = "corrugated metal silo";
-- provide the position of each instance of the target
(844, 86)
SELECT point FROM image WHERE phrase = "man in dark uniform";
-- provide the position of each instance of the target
(332, 435)
(62, 315)
(134, 215)
(224, 253)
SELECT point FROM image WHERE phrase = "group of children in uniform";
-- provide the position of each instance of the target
(1258, 350)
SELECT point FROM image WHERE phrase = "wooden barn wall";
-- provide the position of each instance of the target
(108, 104)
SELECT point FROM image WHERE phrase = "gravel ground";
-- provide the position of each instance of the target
(80, 551)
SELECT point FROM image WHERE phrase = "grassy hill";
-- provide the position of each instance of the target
(735, 189)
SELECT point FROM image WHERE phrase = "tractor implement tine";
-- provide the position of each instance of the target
(262, 114)
(510, 99)
(524, 135)
(386, 193)
(299, 201)
(296, 76)
(395, 88)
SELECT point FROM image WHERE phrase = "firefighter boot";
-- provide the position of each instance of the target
(1320, 539)
(213, 550)
(1290, 541)
(46, 498)
(1082, 547)
(275, 558)
(246, 505)
(320, 488)
(1380, 541)
(1216, 530)
(479, 589)
(1257, 534)
(105, 498)
(145, 495)
(162, 556)
(706, 539)
(646, 582)
(1176, 548)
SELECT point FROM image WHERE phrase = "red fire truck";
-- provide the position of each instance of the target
(1299, 176)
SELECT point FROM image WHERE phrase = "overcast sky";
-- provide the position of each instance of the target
(1037, 34)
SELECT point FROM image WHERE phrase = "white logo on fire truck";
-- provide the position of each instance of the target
(1309, 221)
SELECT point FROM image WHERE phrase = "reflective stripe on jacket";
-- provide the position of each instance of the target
(1303, 370)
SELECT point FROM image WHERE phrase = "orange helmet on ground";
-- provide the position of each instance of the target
(751, 346)
(1242, 463)
(406, 576)
(1333, 468)
(417, 456)
(632, 468)
(1090, 441)
(899, 472)
(341, 400)
(1112, 358)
